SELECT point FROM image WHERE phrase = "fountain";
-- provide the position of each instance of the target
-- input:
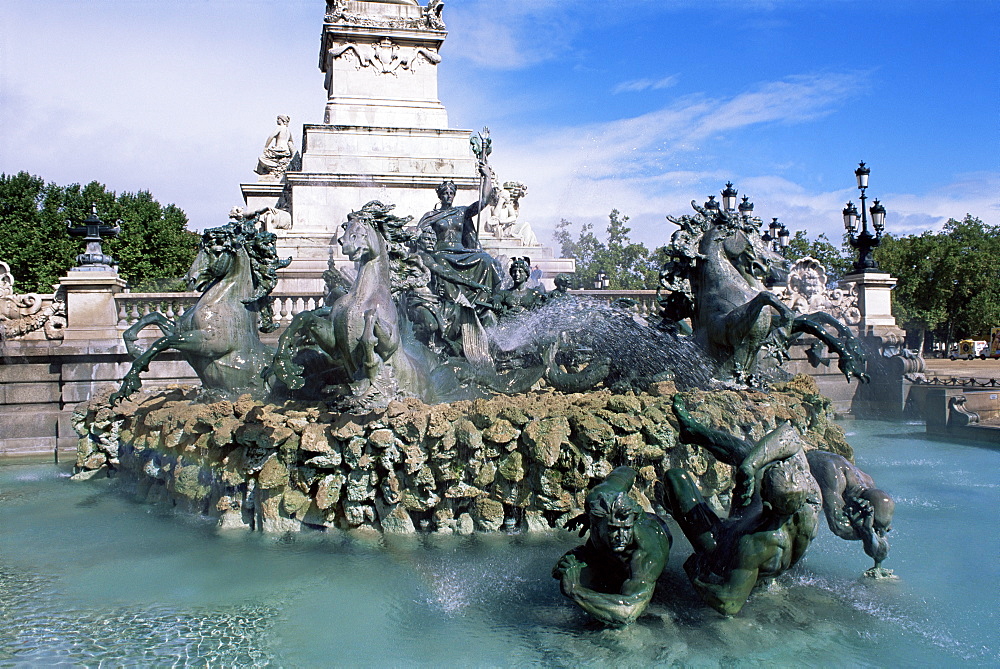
(498, 414)
(433, 395)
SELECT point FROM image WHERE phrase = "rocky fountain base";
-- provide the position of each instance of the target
(508, 463)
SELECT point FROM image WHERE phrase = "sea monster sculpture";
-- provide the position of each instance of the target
(773, 517)
(855, 509)
(716, 276)
(613, 576)
(236, 270)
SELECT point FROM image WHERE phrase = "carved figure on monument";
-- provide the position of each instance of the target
(466, 304)
(269, 218)
(21, 314)
(504, 222)
(612, 576)
(386, 57)
(773, 517)
(338, 11)
(808, 292)
(855, 509)
(807, 285)
(433, 14)
(279, 150)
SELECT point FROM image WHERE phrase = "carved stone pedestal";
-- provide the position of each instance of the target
(91, 313)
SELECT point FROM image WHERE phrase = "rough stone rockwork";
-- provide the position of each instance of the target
(504, 463)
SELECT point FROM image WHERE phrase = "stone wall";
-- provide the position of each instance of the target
(42, 381)
(523, 462)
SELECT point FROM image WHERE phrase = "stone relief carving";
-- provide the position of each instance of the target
(340, 11)
(807, 292)
(21, 314)
(279, 152)
(386, 57)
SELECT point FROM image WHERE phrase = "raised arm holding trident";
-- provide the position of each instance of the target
(482, 147)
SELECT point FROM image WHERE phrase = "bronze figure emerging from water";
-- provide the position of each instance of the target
(855, 509)
(773, 517)
(613, 576)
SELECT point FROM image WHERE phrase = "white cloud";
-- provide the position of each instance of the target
(522, 33)
(652, 165)
(639, 85)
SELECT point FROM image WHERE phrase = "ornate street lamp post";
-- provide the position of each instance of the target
(777, 236)
(865, 242)
(93, 227)
(601, 281)
(729, 197)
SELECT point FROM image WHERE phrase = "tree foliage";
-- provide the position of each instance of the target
(154, 248)
(839, 262)
(627, 264)
(948, 281)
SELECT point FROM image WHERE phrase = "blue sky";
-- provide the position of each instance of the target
(640, 105)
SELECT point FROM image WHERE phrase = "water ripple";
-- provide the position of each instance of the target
(36, 633)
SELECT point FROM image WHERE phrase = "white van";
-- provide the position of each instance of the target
(969, 349)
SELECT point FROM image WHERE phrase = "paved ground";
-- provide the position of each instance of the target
(979, 369)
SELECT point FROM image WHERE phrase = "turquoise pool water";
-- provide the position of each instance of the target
(88, 577)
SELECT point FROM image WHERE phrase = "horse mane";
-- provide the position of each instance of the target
(260, 248)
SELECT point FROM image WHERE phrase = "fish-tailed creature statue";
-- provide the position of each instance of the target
(236, 270)
(773, 517)
(717, 276)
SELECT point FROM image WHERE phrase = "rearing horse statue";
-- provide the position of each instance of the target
(361, 333)
(235, 269)
(716, 277)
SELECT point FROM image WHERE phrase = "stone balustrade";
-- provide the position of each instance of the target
(133, 306)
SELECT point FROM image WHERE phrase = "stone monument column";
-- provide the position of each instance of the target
(384, 136)
(874, 302)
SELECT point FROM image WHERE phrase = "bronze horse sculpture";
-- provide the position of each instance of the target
(218, 336)
(361, 334)
(717, 276)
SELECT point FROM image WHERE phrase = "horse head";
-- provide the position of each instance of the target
(752, 257)
(363, 240)
(215, 258)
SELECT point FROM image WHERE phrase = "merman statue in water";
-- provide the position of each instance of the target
(773, 517)
(855, 509)
(613, 575)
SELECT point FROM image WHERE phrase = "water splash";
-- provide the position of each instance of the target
(638, 352)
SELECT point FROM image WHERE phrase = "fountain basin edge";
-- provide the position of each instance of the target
(506, 463)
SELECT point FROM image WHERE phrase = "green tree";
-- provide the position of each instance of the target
(627, 264)
(949, 281)
(838, 262)
(154, 248)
